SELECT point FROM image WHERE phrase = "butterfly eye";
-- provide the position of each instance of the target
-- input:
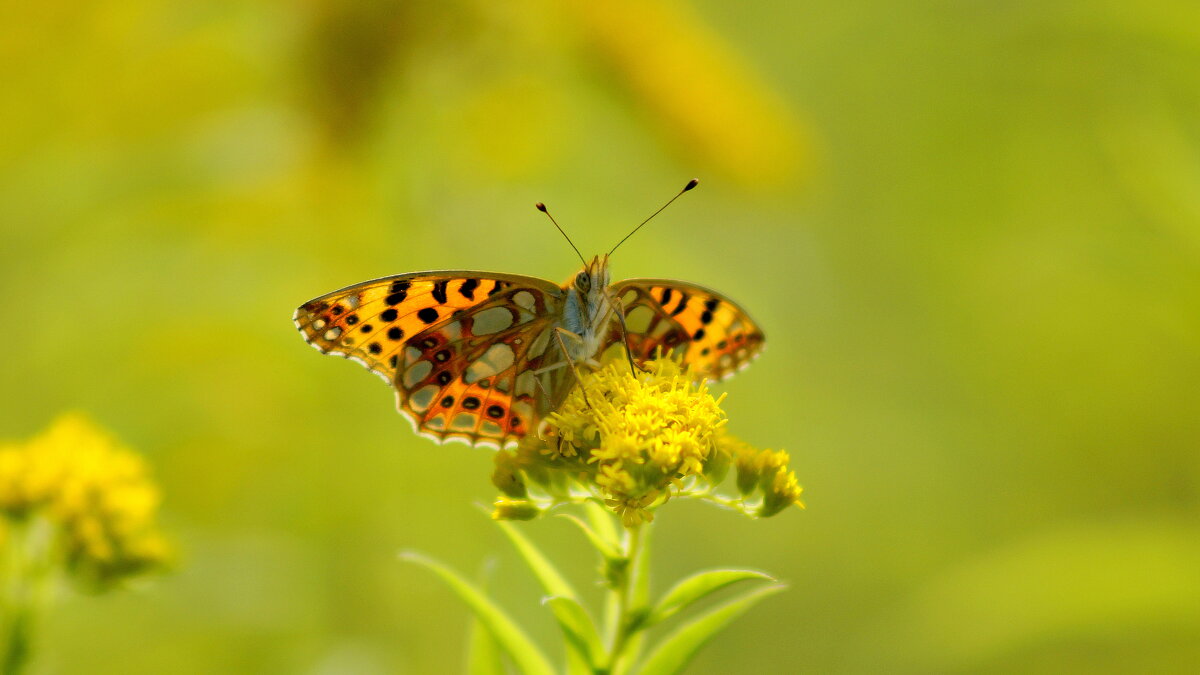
(583, 281)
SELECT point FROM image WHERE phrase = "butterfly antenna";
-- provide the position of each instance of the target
(691, 184)
(542, 207)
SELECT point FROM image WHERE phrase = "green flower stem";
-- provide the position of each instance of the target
(16, 652)
(14, 634)
(737, 504)
(26, 577)
(623, 618)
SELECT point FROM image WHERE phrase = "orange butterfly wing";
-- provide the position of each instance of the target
(711, 332)
(459, 347)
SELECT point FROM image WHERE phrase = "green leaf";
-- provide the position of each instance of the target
(483, 653)
(508, 635)
(552, 582)
(605, 547)
(578, 628)
(576, 665)
(678, 648)
(695, 588)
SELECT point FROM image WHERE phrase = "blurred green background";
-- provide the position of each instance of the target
(971, 231)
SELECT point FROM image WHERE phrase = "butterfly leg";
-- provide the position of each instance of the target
(558, 335)
(550, 368)
(633, 367)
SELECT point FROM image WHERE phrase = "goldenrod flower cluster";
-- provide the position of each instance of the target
(636, 442)
(95, 495)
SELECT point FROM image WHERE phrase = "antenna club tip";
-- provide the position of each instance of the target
(691, 184)
(541, 207)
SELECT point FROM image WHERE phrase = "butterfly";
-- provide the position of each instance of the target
(482, 357)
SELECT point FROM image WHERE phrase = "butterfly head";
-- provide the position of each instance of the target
(593, 278)
(588, 304)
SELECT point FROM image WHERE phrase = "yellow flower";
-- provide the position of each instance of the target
(634, 442)
(709, 100)
(12, 470)
(96, 493)
(633, 511)
(641, 433)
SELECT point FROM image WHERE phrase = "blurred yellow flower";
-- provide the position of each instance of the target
(515, 99)
(635, 442)
(96, 495)
(705, 96)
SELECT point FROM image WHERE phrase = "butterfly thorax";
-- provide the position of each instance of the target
(588, 309)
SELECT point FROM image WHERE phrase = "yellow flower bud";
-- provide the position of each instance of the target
(749, 471)
(506, 476)
(515, 509)
(716, 466)
(782, 493)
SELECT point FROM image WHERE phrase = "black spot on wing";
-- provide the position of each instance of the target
(439, 290)
(467, 289)
(428, 315)
(683, 301)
